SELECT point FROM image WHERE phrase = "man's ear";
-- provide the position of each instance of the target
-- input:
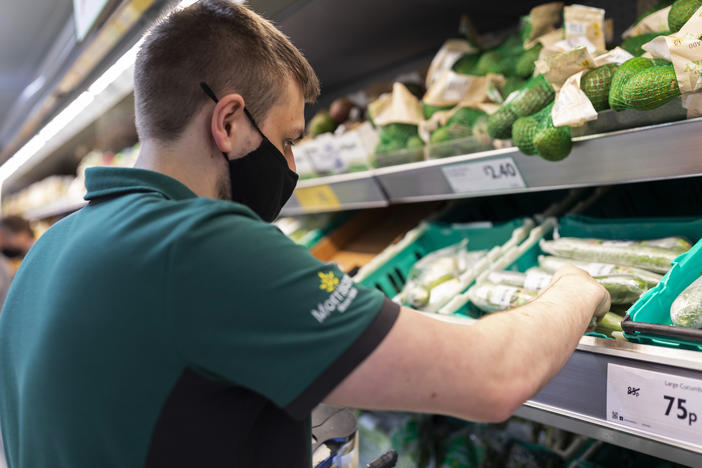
(228, 113)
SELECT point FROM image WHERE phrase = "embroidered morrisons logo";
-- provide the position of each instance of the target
(342, 295)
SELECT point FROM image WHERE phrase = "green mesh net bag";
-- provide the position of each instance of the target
(523, 132)
(525, 65)
(651, 88)
(466, 116)
(536, 134)
(680, 12)
(625, 71)
(596, 83)
(553, 143)
(512, 84)
(535, 95)
(499, 124)
(395, 137)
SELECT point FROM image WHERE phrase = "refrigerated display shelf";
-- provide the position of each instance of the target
(655, 152)
(576, 399)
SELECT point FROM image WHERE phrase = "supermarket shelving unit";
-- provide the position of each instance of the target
(641, 154)
(576, 399)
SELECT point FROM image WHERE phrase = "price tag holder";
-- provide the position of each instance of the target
(658, 403)
(317, 198)
(484, 176)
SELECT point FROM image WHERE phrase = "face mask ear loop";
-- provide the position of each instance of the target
(253, 122)
(212, 96)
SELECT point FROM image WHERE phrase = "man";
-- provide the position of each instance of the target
(16, 238)
(164, 325)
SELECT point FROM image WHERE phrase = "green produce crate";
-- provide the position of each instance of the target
(648, 321)
(586, 227)
(388, 271)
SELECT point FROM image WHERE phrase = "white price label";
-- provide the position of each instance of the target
(484, 176)
(502, 295)
(655, 402)
(574, 28)
(536, 281)
(351, 148)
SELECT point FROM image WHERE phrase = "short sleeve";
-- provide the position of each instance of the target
(259, 311)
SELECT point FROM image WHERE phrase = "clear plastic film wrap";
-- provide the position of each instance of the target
(686, 310)
(490, 297)
(629, 253)
(531, 280)
(552, 264)
(435, 279)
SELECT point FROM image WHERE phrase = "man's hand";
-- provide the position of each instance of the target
(481, 372)
(570, 273)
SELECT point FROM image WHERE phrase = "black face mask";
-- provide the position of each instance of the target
(261, 179)
(12, 253)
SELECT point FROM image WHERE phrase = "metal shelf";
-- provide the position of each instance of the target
(655, 152)
(336, 193)
(662, 151)
(575, 400)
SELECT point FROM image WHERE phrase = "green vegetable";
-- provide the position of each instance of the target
(552, 264)
(523, 132)
(623, 289)
(686, 310)
(465, 116)
(553, 143)
(678, 244)
(625, 72)
(395, 137)
(536, 95)
(634, 254)
(512, 84)
(415, 142)
(321, 123)
(634, 44)
(525, 65)
(467, 64)
(499, 124)
(681, 12)
(595, 84)
(430, 110)
(651, 88)
(609, 324)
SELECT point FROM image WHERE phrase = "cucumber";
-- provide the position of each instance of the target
(686, 310)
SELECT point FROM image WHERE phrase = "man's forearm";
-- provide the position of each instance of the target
(532, 343)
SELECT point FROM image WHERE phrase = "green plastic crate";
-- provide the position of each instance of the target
(586, 227)
(648, 321)
(389, 273)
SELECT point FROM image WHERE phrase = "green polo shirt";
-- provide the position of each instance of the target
(156, 328)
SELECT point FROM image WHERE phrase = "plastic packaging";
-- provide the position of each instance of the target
(490, 297)
(686, 310)
(435, 278)
(631, 253)
(552, 264)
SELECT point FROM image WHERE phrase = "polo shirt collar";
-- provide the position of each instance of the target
(111, 181)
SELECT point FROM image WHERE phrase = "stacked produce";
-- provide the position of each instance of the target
(435, 279)
(627, 270)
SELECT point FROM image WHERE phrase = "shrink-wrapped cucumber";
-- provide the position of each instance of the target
(686, 310)
(634, 254)
(490, 297)
(552, 264)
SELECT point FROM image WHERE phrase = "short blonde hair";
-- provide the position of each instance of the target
(224, 44)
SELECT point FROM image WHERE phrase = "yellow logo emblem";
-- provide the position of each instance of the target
(328, 281)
